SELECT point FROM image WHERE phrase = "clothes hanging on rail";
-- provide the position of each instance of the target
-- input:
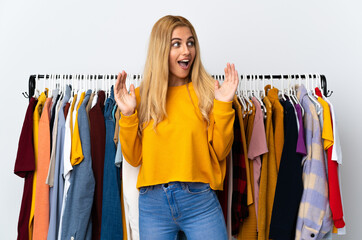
(75, 153)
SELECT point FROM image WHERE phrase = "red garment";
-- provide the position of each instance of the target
(24, 168)
(98, 147)
(239, 206)
(335, 200)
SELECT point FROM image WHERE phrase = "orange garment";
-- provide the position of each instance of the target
(248, 229)
(278, 122)
(268, 178)
(41, 208)
(36, 117)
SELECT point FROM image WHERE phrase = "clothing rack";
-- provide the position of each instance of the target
(32, 79)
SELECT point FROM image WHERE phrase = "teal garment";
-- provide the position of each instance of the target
(111, 226)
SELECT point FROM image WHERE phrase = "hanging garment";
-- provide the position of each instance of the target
(111, 226)
(57, 191)
(24, 168)
(89, 107)
(37, 113)
(289, 186)
(248, 229)
(98, 143)
(54, 132)
(313, 220)
(66, 163)
(55, 99)
(278, 114)
(229, 160)
(257, 147)
(269, 175)
(41, 208)
(77, 223)
(239, 192)
(301, 136)
(130, 196)
(76, 155)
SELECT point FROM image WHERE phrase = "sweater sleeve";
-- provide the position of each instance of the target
(222, 132)
(130, 141)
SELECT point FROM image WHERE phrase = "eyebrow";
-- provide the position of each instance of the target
(192, 37)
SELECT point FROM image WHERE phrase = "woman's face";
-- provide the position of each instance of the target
(182, 53)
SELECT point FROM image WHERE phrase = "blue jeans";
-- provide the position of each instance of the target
(191, 207)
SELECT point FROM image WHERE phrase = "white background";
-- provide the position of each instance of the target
(264, 37)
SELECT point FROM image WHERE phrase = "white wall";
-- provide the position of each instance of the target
(264, 37)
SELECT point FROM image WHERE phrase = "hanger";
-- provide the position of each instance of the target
(282, 88)
(311, 97)
(257, 95)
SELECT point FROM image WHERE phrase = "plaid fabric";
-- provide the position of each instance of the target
(239, 210)
(314, 218)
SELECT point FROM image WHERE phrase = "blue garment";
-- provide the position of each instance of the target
(111, 226)
(77, 221)
(56, 192)
(165, 209)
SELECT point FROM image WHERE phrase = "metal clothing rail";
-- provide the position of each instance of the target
(32, 78)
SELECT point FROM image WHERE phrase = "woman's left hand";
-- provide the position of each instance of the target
(226, 92)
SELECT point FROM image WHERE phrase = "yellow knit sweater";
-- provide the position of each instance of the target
(182, 148)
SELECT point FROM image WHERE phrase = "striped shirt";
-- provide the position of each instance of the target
(314, 217)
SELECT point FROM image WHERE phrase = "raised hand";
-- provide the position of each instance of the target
(125, 101)
(227, 90)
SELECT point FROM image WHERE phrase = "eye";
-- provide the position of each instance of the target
(191, 43)
(176, 44)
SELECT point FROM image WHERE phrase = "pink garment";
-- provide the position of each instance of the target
(257, 147)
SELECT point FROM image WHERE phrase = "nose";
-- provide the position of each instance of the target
(185, 49)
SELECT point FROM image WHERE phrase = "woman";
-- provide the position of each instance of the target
(178, 125)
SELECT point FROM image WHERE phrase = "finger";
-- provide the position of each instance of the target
(118, 84)
(236, 77)
(232, 73)
(132, 91)
(124, 87)
(217, 85)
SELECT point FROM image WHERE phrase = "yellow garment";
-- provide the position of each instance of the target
(72, 106)
(327, 132)
(36, 117)
(278, 123)
(76, 155)
(182, 147)
(248, 228)
(268, 178)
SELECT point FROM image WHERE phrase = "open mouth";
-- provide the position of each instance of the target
(184, 63)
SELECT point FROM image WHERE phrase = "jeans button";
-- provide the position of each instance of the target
(165, 185)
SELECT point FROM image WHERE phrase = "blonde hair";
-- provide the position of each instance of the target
(153, 89)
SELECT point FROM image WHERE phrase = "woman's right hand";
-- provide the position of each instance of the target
(125, 101)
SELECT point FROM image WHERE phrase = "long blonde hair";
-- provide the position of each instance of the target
(153, 89)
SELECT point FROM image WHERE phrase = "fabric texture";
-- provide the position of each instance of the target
(24, 168)
(111, 225)
(41, 208)
(77, 221)
(314, 213)
(98, 144)
(167, 208)
(269, 175)
(289, 186)
(239, 194)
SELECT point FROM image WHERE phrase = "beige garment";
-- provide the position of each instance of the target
(51, 170)
(89, 106)
(116, 129)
